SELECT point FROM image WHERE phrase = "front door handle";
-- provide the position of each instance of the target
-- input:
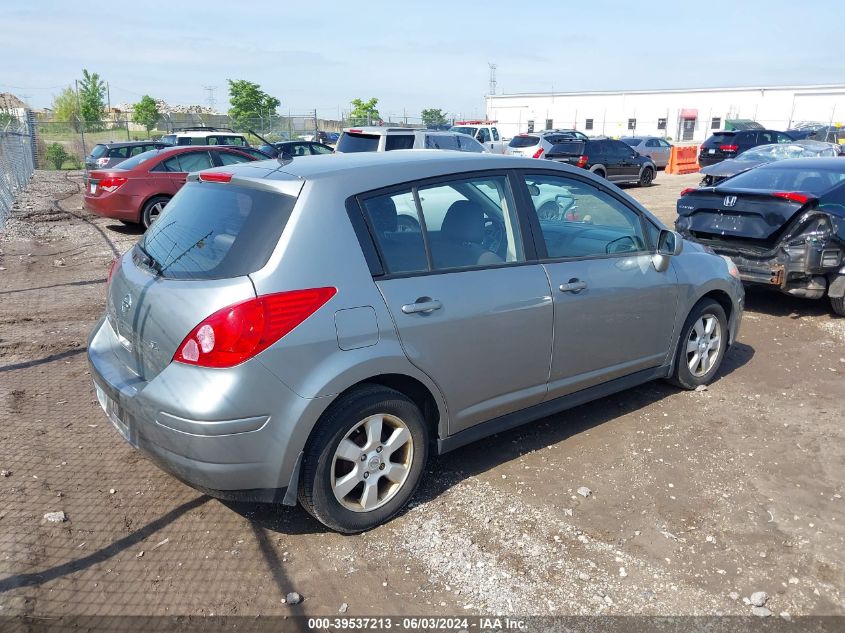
(574, 286)
(423, 305)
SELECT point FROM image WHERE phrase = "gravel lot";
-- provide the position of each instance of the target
(699, 499)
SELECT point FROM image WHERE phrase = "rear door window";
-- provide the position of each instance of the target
(119, 152)
(216, 231)
(483, 135)
(399, 141)
(354, 142)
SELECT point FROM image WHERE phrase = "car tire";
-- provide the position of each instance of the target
(838, 305)
(331, 465)
(646, 177)
(690, 369)
(152, 209)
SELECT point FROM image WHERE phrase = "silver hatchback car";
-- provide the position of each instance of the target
(277, 336)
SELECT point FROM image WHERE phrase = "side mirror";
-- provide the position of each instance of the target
(669, 244)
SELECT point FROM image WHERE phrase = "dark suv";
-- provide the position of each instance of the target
(728, 144)
(105, 155)
(607, 158)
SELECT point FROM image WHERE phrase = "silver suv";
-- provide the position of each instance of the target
(275, 336)
(538, 144)
(385, 139)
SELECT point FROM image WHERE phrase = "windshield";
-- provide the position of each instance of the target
(170, 139)
(216, 231)
(774, 178)
(464, 130)
(132, 163)
(631, 141)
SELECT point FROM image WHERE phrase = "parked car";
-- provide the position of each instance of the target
(137, 190)
(730, 143)
(483, 131)
(762, 154)
(205, 136)
(109, 154)
(536, 144)
(606, 158)
(298, 148)
(819, 132)
(783, 224)
(256, 153)
(386, 139)
(274, 337)
(656, 148)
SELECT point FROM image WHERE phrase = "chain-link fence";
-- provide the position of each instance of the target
(78, 137)
(17, 157)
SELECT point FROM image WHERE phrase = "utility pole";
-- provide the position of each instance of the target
(492, 78)
(81, 122)
(210, 96)
(108, 96)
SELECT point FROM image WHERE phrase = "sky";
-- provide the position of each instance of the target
(412, 55)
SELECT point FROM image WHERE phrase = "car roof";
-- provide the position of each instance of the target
(204, 133)
(129, 143)
(378, 129)
(181, 149)
(825, 163)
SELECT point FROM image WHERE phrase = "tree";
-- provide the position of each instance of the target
(249, 101)
(5, 119)
(92, 92)
(66, 108)
(56, 155)
(146, 112)
(364, 112)
(434, 117)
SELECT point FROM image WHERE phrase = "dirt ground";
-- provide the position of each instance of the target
(698, 498)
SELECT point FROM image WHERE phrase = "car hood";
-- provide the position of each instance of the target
(730, 167)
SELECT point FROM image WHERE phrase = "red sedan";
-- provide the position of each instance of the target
(136, 190)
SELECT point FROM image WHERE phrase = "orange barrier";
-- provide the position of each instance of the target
(683, 160)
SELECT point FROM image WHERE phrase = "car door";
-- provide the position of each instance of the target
(470, 308)
(614, 313)
(616, 160)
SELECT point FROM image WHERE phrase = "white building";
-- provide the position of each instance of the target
(681, 115)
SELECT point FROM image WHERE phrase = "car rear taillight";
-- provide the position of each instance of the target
(728, 148)
(538, 153)
(111, 183)
(102, 162)
(688, 190)
(355, 131)
(582, 161)
(215, 176)
(240, 331)
(794, 196)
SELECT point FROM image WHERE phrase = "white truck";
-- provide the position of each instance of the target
(485, 132)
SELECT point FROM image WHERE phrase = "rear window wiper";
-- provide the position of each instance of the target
(151, 261)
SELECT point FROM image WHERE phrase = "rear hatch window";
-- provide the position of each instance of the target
(727, 138)
(355, 142)
(633, 142)
(567, 148)
(216, 231)
(99, 150)
(524, 140)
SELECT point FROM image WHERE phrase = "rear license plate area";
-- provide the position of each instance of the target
(114, 412)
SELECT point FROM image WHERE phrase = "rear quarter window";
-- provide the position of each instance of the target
(399, 141)
(217, 231)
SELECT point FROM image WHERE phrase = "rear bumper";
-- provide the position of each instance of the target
(795, 270)
(115, 205)
(224, 432)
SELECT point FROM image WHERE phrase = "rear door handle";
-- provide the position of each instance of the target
(574, 286)
(423, 305)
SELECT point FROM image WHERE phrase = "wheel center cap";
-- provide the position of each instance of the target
(702, 346)
(373, 463)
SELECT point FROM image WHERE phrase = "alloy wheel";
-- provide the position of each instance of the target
(703, 345)
(372, 462)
